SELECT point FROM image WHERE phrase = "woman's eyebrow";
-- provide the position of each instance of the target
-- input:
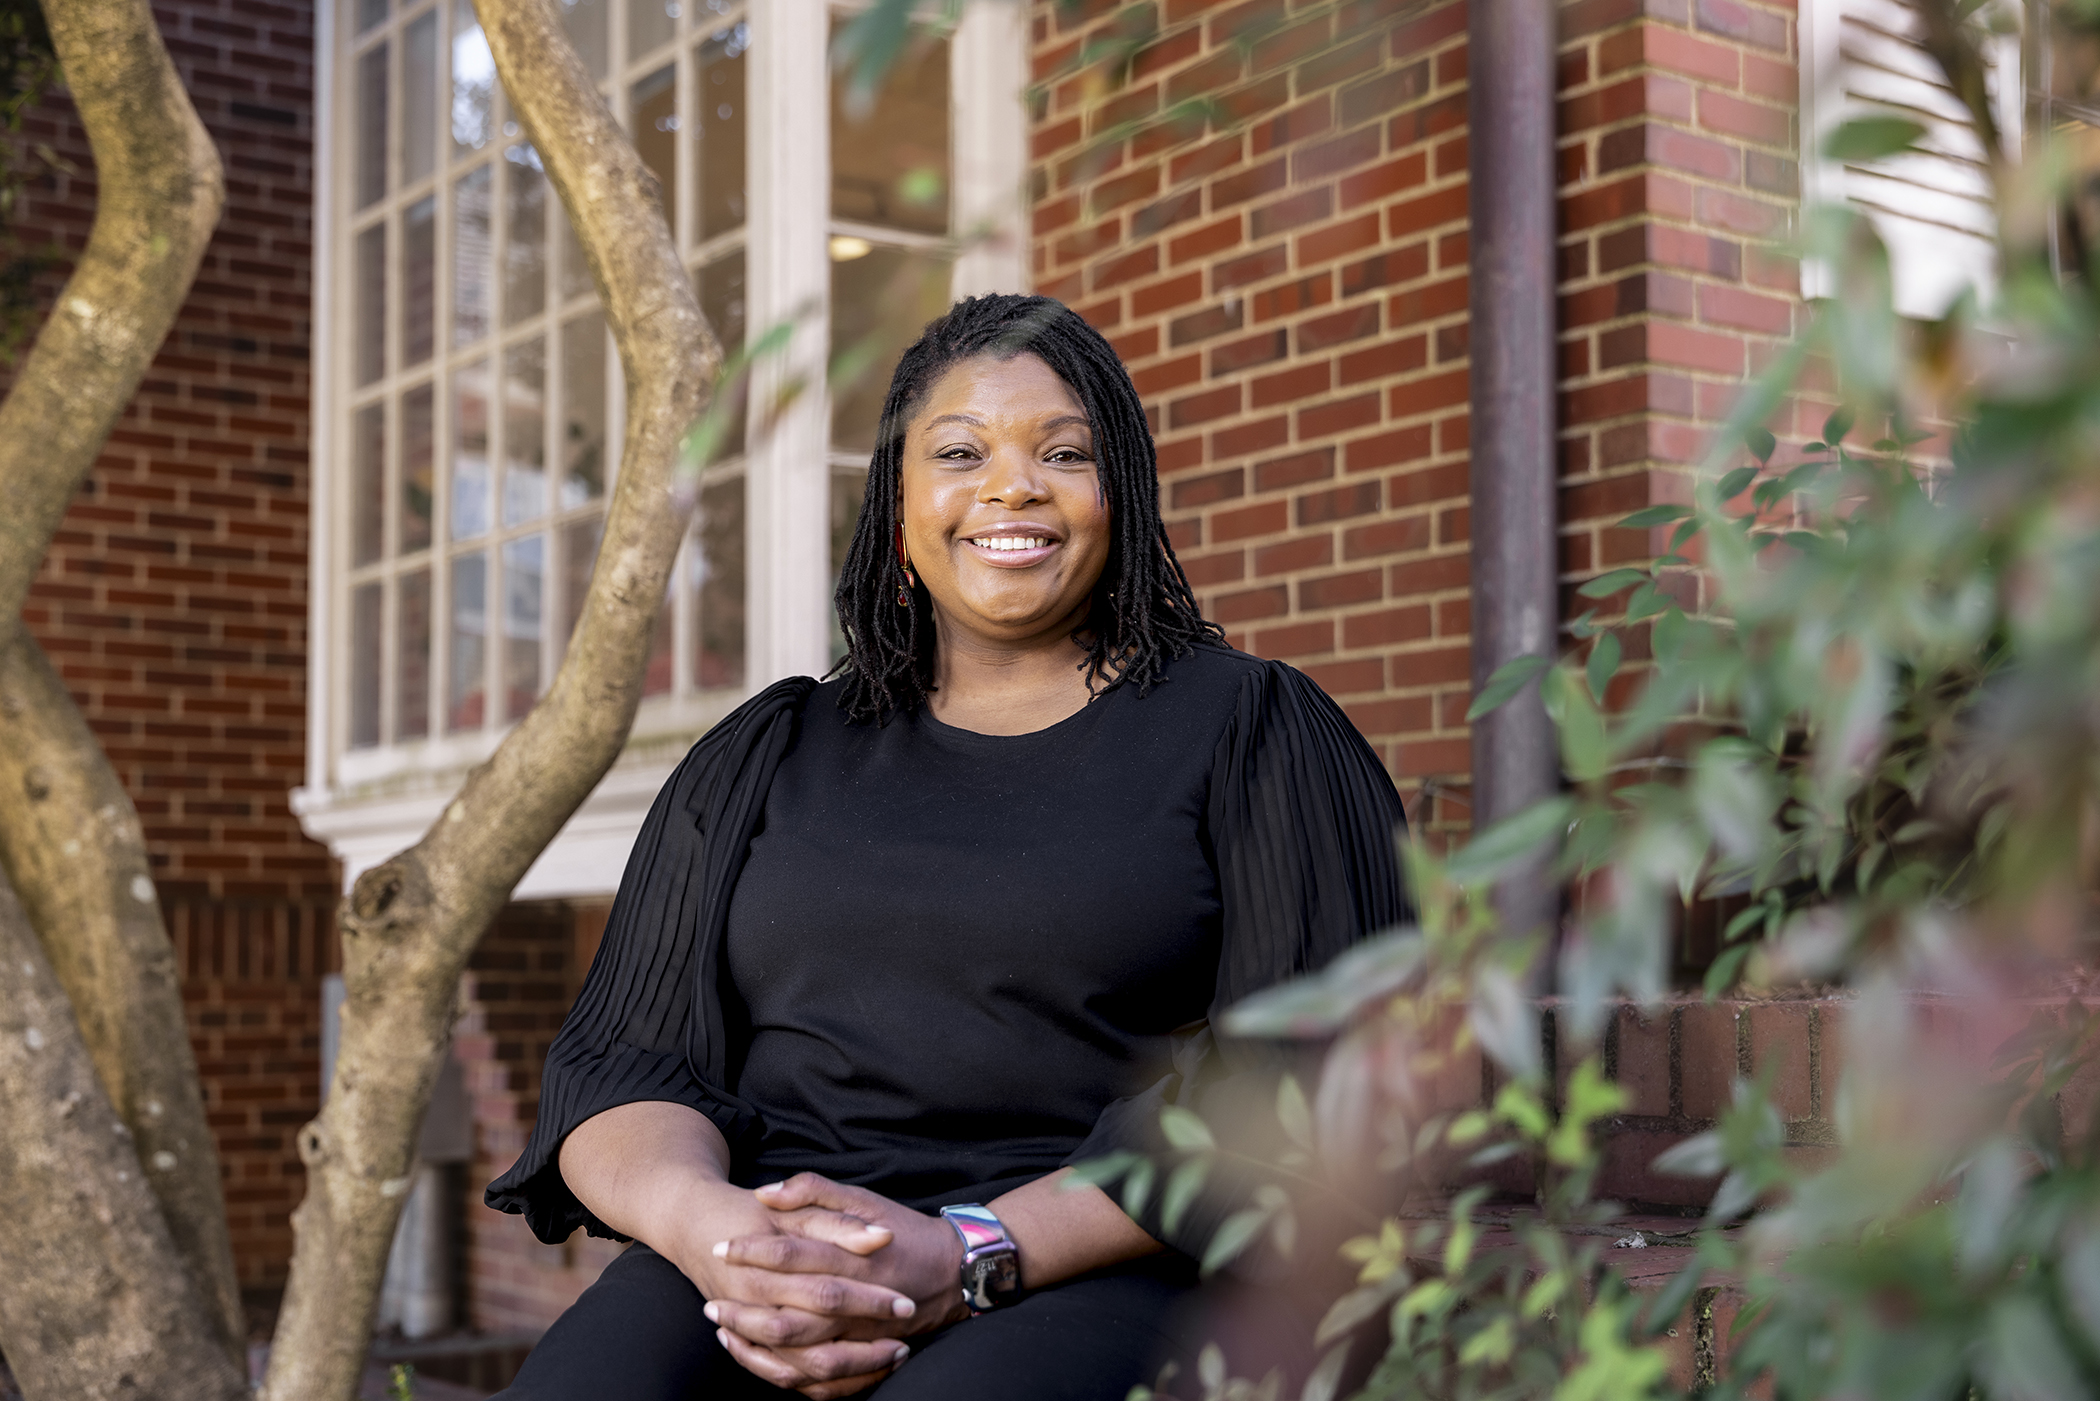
(955, 418)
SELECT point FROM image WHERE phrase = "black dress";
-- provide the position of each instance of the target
(939, 964)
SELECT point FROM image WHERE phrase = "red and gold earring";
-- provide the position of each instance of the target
(910, 580)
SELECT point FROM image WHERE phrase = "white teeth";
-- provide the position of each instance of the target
(1011, 542)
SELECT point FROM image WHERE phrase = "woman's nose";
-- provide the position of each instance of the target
(1012, 479)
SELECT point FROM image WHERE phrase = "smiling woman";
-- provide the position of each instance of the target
(895, 950)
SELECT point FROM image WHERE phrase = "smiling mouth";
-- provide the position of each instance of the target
(1007, 544)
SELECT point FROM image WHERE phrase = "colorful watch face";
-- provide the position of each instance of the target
(991, 1275)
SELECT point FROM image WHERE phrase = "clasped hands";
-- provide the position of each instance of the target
(820, 1282)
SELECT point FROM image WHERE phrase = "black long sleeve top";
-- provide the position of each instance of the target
(940, 964)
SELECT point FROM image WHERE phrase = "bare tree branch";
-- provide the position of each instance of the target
(411, 922)
(105, 1319)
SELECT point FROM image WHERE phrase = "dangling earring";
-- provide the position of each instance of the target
(910, 580)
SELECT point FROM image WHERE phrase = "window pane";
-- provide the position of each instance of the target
(419, 82)
(466, 689)
(364, 666)
(473, 82)
(889, 157)
(368, 352)
(583, 410)
(525, 220)
(470, 451)
(716, 574)
(419, 280)
(370, 170)
(881, 298)
(848, 490)
(418, 432)
(655, 107)
(369, 13)
(720, 286)
(720, 117)
(412, 659)
(524, 432)
(649, 23)
(585, 21)
(524, 562)
(367, 484)
(472, 245)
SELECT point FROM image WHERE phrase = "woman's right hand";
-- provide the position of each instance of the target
(821, 1334)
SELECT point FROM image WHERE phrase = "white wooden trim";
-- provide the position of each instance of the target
(988, 70)
(788, 278)
(320, 424)
(1931, 205)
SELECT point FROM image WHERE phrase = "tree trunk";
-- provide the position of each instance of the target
(104, 1314)
(155, 1298)
(411, 922)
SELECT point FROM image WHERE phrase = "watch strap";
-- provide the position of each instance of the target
(991, 1268)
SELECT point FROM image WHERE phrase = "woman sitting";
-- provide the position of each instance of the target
(895, 950)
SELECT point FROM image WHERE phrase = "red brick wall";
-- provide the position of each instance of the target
(1264, 206)
(523, 976)
(174, 599)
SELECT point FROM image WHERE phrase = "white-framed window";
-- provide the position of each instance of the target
(1931, 205)
(468, 403)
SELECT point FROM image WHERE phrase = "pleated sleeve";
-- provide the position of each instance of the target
(650, 1023)
(1304, 824)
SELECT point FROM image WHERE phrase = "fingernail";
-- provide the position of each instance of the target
(721, 1251)
(903, 1352)
(722, 1336)
(713, 1312)
(772, 1187)
(900, 1306)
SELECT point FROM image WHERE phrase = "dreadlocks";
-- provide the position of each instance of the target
(1142, 613)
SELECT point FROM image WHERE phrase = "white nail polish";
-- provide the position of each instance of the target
(713, 1312)
(721, 1250)
(903, 1355)
(903, 1308)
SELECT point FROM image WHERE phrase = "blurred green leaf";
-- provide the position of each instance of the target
(1185, 1130)
(1605, 585)
(1504, 843)
(1182, 1186)
(1509, 678)
(1871, 139)
(1761, 443)
(1603, 664)
(1655, 515)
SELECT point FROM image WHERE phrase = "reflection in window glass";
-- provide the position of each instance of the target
(470, 451)
(649, 23)
(719, 113)
(466, 687)
(412, 658)
(419, 83)
(473, 82)
(715, 573)
(583, 410)
(525, 219)
(889, 162)
(472, 246)
(524, 432)
(364, 666)
(367, 484)
(524, 562)
(585, 21)
(881, 298)
(368, 265)
(720, 287)
(371, 126)
(369, 13)
(419, 280)
(655, 108)
(418, 430)
(848, 490)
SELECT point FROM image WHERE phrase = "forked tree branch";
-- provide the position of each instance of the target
(411, 922)
(69, 837)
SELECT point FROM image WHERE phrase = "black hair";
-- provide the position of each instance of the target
(1142, 614)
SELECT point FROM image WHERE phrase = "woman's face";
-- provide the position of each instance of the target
(1004, 518)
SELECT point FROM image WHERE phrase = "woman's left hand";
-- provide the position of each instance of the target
(921, 1261)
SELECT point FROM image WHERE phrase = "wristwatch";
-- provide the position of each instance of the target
(991, 1265)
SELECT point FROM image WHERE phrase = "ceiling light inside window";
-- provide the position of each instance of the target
(845, 248)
